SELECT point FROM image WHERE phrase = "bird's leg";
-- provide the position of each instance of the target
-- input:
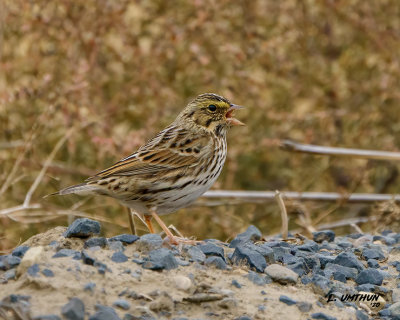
(173, 228)
(131, 221)
(164, 227)
(149, 225)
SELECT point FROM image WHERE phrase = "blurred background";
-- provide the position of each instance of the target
(84, 83)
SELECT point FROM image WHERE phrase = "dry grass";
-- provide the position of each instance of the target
(320, 72)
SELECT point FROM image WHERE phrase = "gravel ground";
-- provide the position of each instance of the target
(74, 274)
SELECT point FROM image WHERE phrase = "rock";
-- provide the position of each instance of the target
(309, 246)
(348, 259)
(310, 260)
(372, 263)
(66, 253)
(104, 313)
(93, 242)
(228, 303)
(252, 258)
(163, 303)
(160, 259)
(10, 275)
(287, 259)
(287, 300)
(250, 235)
(183, 283)
(280, 253)
(210, 249)
(281, 274)
(256, 278)
(217, 262)
(394, 310)
(324, 259)
(47, 317)
(122, 303)
(236, 284)
(48, 273)
(33, 270)
(125, 238)
(331, 268)
(325, 235)
(196, 254)
(149, 242)
(299, 267)
(82, 228)
(264, 250)
(119, 257)
(321, 285)
(339, 276)
(20, 251)
(360, 315)
(396, 295)
(373, 254)
(87, 259)
(371, 276)
(243, 318)
(116, 246)
(321, 316)
(304, 306)
(74, 309)
(9, 261)
(89, 286)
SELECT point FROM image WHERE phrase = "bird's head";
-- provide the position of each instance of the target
(212, 112)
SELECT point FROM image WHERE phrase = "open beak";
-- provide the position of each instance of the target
(229, 115)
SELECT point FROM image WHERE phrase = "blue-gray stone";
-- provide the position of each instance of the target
(372, 254)
(82, 228)
(250, 235)
(101, 267)
(217, 262)
(89, 286)
(74, 309)
(125, 238)
(9, 261)
(182, 262)
(304, 306)
(310, 260)
(119, 257)
(150, 241)
(252, 258)
(20, 251)
(344, 244)
(196, 254)
(210, 249)
(256, 278)
(366, 287)
(287, 259)
(33, 270)
(372, 263)
(325, 235)
(87, 259)
(47, 317)
(321, 285)
(309, 245)
(160, 259)
(348, 259)
(65, 253)
(10, 274)
(243, 318)
(287, 300)
(299, 267)
(321, 316)
(122, 303)
(116, 246)
(331, 268)
(371, 276)
(324, 259)
(360, 315)
(48, 273)
(385, 313)
(263, 249)
(280, 252)
(339, 276)
(236, 284)
(104, 313)
(93, 242)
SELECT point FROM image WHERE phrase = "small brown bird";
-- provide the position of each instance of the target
(174, 168)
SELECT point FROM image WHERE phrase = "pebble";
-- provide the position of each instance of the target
(82, 228)
(47, 317)
(321, 285)
(372, 263)
(104, 313)
(252, 234)
(32, 256)
(243, 318)
(304, 306)
(348, 259)
(93, 242)
(116, 246)
(287, 300)
(299, 267)
(196, 254)
(252, 258)
(119, 257)
(160, 259)
(264, 250)
(256, 278)
(33, 270)
(48, 273)
(89, 286)
(325, 235)
(236, 284)
(183, 283)
(217, 262)
(228, 303)
(122, 303)
(360, 315)
(10, 275)
(331, 268)
(20, 251)
(66, 253)
(10, 261)
(321, 316)
(125, 238)
(396, 295)
(87, 259)
(210, 249)
(309, 245)
(324, 259)
(74, 309)
(370, 276)
(394, 310)
(281, 274)
(149, 242)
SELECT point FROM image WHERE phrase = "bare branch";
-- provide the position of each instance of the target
(284, 216)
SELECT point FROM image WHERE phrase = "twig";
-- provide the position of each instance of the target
(284, 216)
(356, 228)
(292, 146)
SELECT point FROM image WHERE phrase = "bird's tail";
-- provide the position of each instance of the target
(82, 188)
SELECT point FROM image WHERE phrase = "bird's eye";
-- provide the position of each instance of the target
(212, 107)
